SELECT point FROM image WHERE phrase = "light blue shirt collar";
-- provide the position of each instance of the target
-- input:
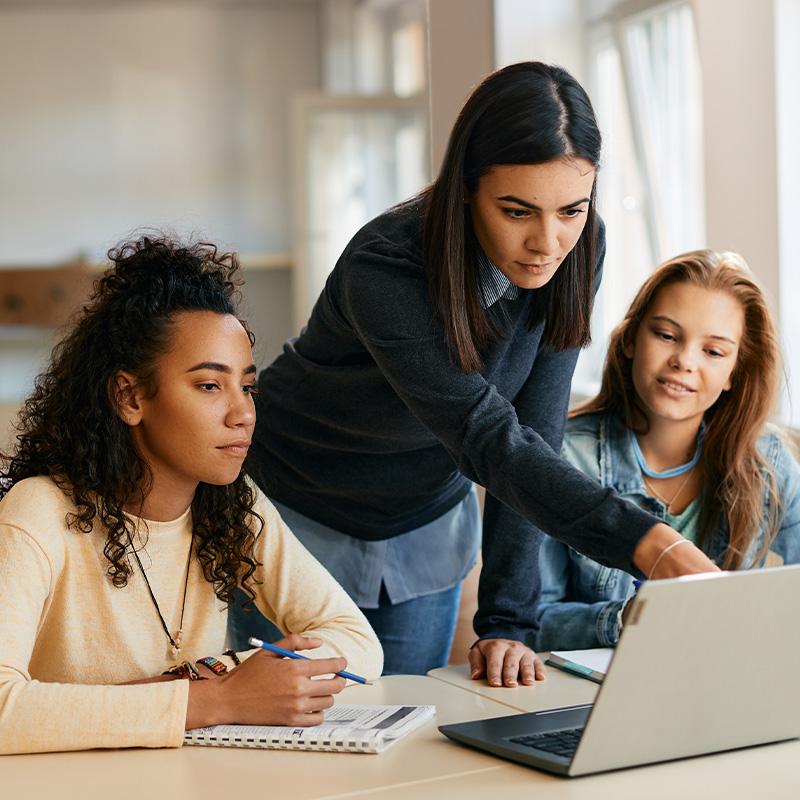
(493, 282)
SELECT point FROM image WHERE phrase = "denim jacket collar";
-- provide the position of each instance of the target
(620, 471)
(618, 467)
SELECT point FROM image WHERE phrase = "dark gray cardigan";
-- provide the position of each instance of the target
(366, 425)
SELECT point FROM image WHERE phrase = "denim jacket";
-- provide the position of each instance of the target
(581, 599)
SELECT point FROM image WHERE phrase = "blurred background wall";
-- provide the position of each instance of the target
(276, 128)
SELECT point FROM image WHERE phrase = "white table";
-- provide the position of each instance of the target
(560, 689)
(424, 765)
(203, 773)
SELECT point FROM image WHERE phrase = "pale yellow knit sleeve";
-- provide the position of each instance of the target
(300, 596)
(39, 717)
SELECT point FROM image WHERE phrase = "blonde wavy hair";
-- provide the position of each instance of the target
(736, 475)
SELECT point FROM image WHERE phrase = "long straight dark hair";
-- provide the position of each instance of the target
(526, 113)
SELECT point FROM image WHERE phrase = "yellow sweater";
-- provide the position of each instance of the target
(67, 634)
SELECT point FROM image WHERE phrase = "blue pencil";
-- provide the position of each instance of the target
(273, 648)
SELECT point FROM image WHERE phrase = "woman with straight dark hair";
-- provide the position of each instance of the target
(439, 356)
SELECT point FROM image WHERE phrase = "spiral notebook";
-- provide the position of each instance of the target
(347, 729)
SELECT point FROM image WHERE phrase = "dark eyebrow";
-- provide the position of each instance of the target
(662, 318)
(217, 367)
(509, 198)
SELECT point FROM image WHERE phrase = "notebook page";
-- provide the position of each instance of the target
(357, 728)
(596, 659)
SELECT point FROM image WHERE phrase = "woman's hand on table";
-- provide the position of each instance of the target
(505, 662)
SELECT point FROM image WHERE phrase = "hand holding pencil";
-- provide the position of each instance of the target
(268, 690)
(277, 649)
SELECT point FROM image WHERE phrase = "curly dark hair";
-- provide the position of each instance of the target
(69, 430)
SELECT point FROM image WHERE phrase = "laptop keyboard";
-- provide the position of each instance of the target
(560, 743)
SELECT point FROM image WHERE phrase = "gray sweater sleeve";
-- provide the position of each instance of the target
(481, 431)
(510, 580)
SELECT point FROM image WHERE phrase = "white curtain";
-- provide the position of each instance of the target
(662, 80)
(645, 85)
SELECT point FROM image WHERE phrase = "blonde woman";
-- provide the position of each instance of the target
(679, 428)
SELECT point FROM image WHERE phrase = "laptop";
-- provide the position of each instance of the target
(706, 663)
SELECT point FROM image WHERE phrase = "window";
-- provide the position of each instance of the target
(644, 81)
(363, 145)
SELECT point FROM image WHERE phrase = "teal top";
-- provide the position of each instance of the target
(688, 521)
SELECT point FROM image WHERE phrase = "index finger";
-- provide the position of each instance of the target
(511, 666)
(326, 686)
(297, 641)
(319, 666)
(494, 665)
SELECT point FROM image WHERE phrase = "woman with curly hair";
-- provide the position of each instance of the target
(679, 428)
(127, 522)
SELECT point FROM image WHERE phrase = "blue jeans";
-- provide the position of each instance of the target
(416, 635)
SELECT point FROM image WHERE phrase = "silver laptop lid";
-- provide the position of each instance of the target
(706, 663)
